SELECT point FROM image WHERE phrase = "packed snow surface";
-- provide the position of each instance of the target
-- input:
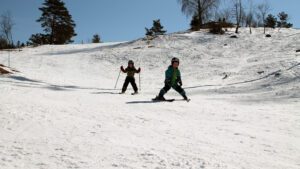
(62, 111)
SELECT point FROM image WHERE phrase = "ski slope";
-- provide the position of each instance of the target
(61, 110)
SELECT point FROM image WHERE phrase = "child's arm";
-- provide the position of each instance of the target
(168, 78)
(123, 70)
(138, 71)
(168, 74)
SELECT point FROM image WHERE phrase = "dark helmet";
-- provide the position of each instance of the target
(130, 62)
(175, 60)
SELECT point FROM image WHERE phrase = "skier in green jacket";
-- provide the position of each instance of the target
(130, 70)
(172, 80)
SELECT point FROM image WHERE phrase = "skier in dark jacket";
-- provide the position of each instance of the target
(172, 80)
(130, 70)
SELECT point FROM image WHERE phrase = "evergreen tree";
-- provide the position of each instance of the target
(57, 22)
(149, 32)
(38, 39)
(3, 43)
(96, 39)
(271, 21)
(283, 18)
(157, 28)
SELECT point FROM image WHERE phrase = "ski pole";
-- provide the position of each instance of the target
(117, 79)
(140, 81)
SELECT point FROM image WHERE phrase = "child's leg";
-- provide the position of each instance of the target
(133, 84)
(125, 85)
(164, 90)
(180, 90)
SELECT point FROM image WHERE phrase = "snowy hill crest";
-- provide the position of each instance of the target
(62, 111)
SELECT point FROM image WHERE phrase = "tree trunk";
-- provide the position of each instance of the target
(200, 13)
(264, 24)
(238, 16)
(52, 31)
(200, 21)
(237, 29)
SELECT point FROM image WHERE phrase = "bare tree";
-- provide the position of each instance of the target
(225, 13)
(250, 15)
(238, 13)
(259, 22)
(201, 8)
(6, 26)
(263, 9)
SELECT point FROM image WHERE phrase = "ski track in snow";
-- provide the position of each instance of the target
(61, 110)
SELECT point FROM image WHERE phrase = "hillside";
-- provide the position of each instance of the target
(61, 109)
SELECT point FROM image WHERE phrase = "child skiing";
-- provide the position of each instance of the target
(130, 70)
(173, 80)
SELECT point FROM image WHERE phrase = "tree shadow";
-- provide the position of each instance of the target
(200, 86)
(141, 102)
(150, 101)
(26, 82)
(20, 78)
(105, 93)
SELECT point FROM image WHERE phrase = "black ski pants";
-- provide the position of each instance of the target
(130, 80)
(167, 87)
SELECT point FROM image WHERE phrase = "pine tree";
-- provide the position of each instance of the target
(96, 39)
(283, 18)
(271, 21)
(38, 39)
(157, 28)
(57, 22)
(149, 32)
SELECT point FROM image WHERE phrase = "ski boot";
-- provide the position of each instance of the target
(159, 98)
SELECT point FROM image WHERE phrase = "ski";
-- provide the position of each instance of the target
(187, 100)
(170, 100)
(166, 100)
(131, 93)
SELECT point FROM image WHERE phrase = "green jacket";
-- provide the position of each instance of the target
(130, 71)
(173, 76)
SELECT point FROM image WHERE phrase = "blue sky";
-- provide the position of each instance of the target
(117, 20)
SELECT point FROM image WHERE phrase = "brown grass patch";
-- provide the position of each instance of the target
(3, 71)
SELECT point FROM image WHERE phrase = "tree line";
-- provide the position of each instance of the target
(59, 27)
(237, 13)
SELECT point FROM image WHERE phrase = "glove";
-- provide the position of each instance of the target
(180, 83)
(122, 69)
(139, 70)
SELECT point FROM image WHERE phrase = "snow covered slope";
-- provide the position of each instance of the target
(62, 111)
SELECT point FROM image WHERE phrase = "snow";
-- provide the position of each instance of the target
(62, 111)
